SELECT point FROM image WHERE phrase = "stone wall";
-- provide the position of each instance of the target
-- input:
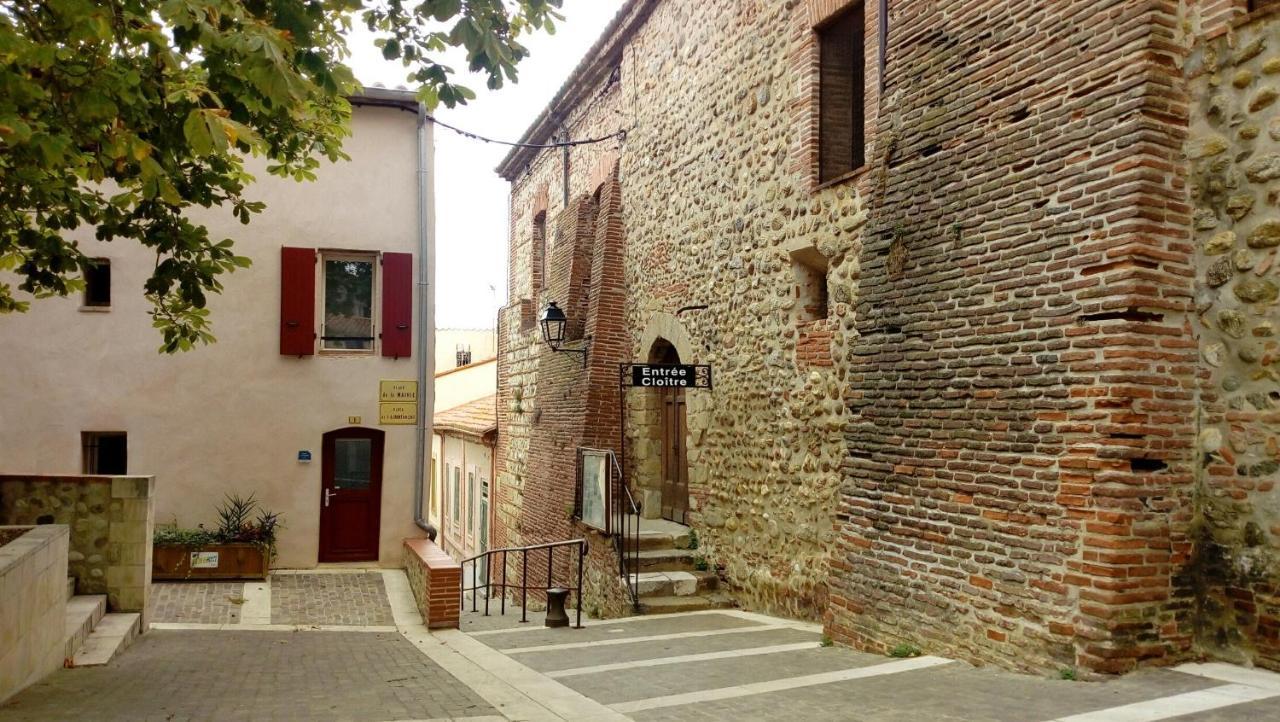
(711, 207)
(1233, 575)
(111, 521)
(33, 604)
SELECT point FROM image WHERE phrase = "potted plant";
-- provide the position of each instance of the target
(241, 547)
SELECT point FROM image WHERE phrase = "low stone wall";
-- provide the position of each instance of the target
(436, 581)
(111, 519)
(33, 604)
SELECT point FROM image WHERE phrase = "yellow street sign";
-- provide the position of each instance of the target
(398, 391)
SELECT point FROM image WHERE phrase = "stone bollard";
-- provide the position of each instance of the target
(556, 616)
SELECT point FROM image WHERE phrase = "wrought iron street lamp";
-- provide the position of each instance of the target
(553, 323)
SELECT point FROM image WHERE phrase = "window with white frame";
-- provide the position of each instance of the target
(348, 288)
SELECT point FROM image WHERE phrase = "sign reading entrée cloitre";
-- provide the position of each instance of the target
(682, 376)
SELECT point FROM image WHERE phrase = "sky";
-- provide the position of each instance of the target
(471, 200)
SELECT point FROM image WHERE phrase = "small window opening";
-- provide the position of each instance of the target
(462, 354)
(540, 251)
(97, 283)
(841, 95)
(809, 268)
(104, 452)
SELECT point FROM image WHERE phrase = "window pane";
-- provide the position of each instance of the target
(97, 283)
(351, 463)
(471, 501)
(348, 304)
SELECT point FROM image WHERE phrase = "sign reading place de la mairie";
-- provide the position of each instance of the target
(684, 376)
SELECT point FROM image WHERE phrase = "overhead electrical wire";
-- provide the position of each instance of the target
(621, 134)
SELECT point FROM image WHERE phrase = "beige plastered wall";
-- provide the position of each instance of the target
(233, 416)
(482, 341)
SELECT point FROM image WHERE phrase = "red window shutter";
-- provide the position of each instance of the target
(397, 305)
(297, 301)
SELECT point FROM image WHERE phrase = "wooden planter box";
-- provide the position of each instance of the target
(233, 561)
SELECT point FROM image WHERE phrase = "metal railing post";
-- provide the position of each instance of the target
(582, 552)
(504, 582)
(524, 585)
(488, 590)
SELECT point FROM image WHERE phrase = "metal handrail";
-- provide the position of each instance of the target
(628, 546)
(489, 585)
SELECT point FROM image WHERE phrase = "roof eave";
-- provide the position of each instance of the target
(387, 98)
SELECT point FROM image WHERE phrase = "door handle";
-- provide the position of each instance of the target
(328, 493)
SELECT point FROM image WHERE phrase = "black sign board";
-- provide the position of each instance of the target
(678, 376)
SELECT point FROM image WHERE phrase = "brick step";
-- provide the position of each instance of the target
(111, 636)
(83, 614)
(676, 583)
(662, 560)
(693, 603)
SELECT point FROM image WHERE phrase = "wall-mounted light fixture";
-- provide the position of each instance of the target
(553, 323)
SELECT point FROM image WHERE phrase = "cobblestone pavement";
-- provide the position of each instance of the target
(253, 675)
(738, 666)
(196, 602)
(355, 598)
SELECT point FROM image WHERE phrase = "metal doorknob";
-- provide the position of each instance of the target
(328, 493)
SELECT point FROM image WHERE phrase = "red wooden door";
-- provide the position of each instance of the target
(351, 495)
(675, 465)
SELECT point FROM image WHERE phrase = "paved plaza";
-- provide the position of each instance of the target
(348, 645)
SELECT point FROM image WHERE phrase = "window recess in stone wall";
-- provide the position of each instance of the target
(841, 94)
(809, 268)
(539, 259)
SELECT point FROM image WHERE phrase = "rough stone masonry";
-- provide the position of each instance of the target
(1007, 392)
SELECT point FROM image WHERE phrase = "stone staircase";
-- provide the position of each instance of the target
(93, 636)
(669, 577)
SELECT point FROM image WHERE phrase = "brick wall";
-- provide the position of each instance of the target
(1021, 389)
(436, 581)
(988, 447)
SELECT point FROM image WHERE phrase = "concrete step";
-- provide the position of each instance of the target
(662, 560)
(112, 635)
(692, 603)
(661, 533)
(71, 588)
(675, 584)
(83, 614)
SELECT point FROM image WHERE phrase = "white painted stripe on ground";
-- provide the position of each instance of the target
(486, 718)
(257, 603)
(778, 685)
(703, 657)
(588, 622)
(1176, 705)
(1233, 674)
(550, 694)
(192, 626)
(404, 608)
(634, 640)
(766, 619)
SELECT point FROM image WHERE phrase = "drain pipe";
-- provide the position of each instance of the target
(427, 321)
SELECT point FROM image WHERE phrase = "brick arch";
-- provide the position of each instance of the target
(602, 171)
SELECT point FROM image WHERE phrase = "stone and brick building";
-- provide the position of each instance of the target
(996, 378)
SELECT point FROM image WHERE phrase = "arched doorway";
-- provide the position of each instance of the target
(672, 430)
